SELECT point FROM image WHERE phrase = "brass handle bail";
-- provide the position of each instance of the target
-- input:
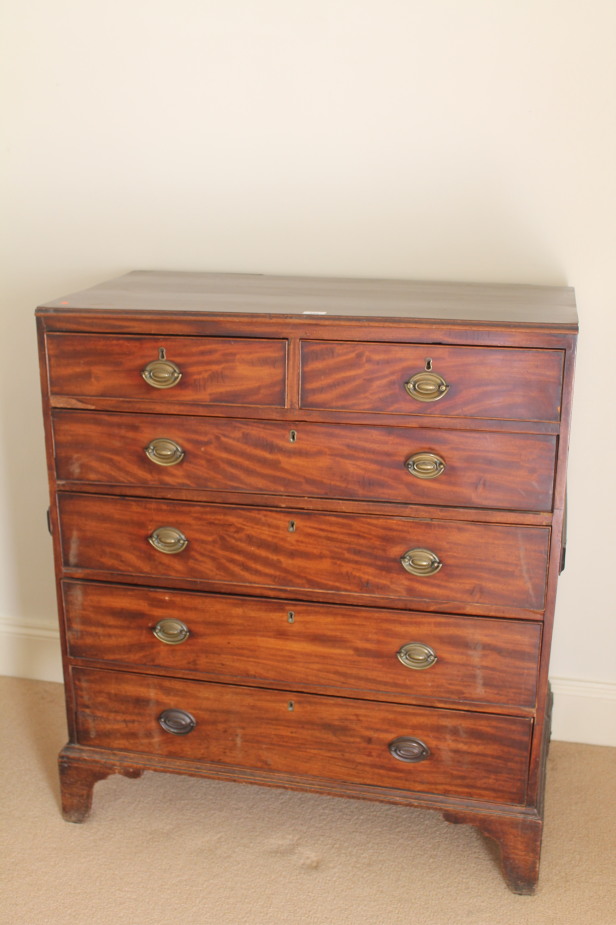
(417, 655)
(169, 540)
(421, 562)
(425, 465)
(409, 749)
(164, 452)
(426, 386)
(162, 374)
(177, 722)
(171, 631)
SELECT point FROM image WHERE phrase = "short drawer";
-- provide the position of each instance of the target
(376, 654)
(449, 752)
(204, 370)
(403, 464)
(476, 382)
(268, 550)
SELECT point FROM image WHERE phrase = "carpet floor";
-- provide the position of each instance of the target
(171, 850)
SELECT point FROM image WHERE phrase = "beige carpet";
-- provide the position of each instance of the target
(164, 849)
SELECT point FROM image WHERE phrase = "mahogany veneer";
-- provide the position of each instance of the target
(307, 534)
(484, 469)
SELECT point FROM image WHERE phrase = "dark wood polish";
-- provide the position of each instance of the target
(255, 294)
(78, 777)
(236, 371)
(482, 468)
(519, 845)
(471, 754)
(483, 382)
(261, 550)
(286, 645)
(306, 646)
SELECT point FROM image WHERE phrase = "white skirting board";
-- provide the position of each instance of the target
(584, 711)
(30, 652)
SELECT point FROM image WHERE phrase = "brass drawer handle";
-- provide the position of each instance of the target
(169, 540)
(426, 386)
(425, 465)
(417, 655)
(171, 631)
(164, 452)
(162, 374)
(177, 722)
(409, 749)
(421, 562)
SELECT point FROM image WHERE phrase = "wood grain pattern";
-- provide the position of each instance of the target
(483, 382)
(324, 647)
(312, 527)
(258, 549)
(247, 371)
(519, 845)
(471, 754)
(77, 780)
(483, 468)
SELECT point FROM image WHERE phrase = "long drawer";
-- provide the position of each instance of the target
(414, 465)
(368, 653)
(204, 370)
(386, 745)
(481, 382)
(262, 550)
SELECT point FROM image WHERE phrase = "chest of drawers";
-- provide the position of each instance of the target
(307, 534)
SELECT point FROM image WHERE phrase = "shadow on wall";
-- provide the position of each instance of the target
(28, 588)
(27, 591)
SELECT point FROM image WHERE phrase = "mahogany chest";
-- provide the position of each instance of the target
(307, 533)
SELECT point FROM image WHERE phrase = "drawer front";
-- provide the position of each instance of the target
(481, 382)
(369, 653)
(474, 469)
(213, 370)
(259, 549)
(470, 754)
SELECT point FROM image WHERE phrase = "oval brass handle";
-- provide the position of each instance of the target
(409, 749)
(421, 562)
(426, 386)
(164, 452)
(177, 722)
(169, 540)
(425, 465)
(417, 655)
(171, 631)
(162, 374)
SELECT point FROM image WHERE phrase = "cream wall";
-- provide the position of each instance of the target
(460, 140)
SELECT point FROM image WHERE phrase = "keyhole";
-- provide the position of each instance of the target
(291, 526)
(292, 436)
(428, 364)
(291, 706)
(291, 617)
(162, 353)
